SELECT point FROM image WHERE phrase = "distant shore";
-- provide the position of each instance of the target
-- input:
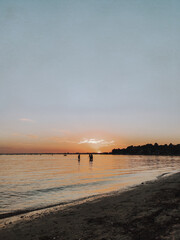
(150, 149)
(148, 211)
(147, 149)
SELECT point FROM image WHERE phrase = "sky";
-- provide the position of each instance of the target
(88, 75)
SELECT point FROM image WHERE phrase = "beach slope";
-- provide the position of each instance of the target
(146, 212)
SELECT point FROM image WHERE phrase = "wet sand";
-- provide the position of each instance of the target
(146, 212)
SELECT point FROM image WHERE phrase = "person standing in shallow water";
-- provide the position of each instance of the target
(79, 157)
(90, 157)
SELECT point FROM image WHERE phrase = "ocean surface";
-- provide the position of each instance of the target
(29, 182)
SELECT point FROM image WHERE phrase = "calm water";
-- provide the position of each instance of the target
(35, 181)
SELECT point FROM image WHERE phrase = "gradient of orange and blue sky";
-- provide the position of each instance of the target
(88, 75)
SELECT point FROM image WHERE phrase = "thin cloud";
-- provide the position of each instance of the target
(94, 141)
(60, 140)
(62, 131)
(32, 136)
(16, 134)
(24, 135)
(26, 120)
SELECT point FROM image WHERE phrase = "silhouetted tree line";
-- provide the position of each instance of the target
(149, 149)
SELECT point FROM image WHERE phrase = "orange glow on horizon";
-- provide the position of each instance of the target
(96, 141)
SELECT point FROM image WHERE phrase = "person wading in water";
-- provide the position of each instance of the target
(90, 157)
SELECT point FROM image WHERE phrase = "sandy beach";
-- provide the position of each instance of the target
(147, 211)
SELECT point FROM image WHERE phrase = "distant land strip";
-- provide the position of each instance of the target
(150, 149)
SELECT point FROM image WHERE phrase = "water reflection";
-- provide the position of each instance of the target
(90, 165)
(41, 180)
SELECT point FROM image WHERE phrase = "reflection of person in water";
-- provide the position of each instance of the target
(79, 157)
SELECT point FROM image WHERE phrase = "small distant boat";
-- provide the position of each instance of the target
(65, 154)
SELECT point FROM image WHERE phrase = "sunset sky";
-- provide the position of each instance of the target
(88, 75)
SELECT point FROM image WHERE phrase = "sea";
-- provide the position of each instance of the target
(30, 182)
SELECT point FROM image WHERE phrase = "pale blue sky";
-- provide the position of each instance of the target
(81, 66)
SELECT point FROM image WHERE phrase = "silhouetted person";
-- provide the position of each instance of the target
(90, 157)
(79, 157)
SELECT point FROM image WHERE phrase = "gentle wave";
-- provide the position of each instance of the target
(29, 183)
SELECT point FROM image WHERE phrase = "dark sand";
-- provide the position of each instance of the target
(148, 211)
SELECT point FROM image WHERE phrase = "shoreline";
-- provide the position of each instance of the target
(147, 211)
(94, 153)
(65, 204)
